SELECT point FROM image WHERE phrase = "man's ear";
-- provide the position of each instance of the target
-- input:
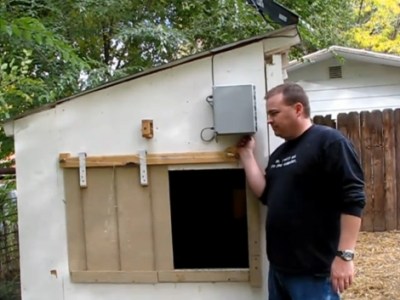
(299, 108)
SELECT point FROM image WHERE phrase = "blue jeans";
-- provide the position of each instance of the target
(282, 286)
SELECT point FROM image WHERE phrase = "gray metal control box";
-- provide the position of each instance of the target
(234, 109)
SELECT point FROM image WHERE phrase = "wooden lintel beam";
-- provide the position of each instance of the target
(114, 276)
(217, 275)
(67, 161)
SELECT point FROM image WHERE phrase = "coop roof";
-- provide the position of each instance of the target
(346, 53)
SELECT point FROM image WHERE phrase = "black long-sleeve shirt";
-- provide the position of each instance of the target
(311, 181)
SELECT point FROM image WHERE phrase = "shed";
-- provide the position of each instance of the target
(127, 191)
(340, 79)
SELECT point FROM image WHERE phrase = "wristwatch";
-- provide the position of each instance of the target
(346, 255)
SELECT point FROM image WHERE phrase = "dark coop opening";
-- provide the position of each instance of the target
(209, 219)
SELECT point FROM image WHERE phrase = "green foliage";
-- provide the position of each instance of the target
(10, 290)
(36, 65)
(6, 150)
(19, 91)
(9, 254)
(52, 63)
(8, 202)
(209, 24)
(322, 23)
(124, 37)
(378, 26)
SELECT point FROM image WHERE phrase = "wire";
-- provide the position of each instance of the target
(209, 100)
(209, 139)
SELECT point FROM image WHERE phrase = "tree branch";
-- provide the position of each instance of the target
(359, 11)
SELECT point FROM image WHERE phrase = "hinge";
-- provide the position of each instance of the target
(82, 170)
(143, 167)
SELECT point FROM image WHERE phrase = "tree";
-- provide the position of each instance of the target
(123, 37)
(36, 67)
(117, 38)
(51, 61)
(322, 23)
(378, 25)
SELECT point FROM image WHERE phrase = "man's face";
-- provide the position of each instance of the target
(283, 118)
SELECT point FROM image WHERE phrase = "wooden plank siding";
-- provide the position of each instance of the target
(107, 223)
(396, 122)
(389, 170)
(376, 138)
(366, 160)
(120, 232)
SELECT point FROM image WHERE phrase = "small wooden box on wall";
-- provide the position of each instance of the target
(147, 129)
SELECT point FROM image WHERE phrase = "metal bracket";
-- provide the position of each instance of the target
(143, 167)
(82, 170)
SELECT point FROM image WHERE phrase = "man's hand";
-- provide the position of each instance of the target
(255, 176)
(246, 146)
(342, 274)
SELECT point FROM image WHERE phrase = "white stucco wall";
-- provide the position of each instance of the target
(364, 86)
(108, 122)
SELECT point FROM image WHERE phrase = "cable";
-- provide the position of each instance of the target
(209, 100)
(209, 139)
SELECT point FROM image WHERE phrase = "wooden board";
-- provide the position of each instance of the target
(233, 275)
(390, 170)
(324, 120)
(161, 215)
(135, 226)
(253, 231)
(114, 277)
(354, 131)
(397, 158)
(376, 131)
(66, 161)
(366, 158)
(75, 221)
(100, 215)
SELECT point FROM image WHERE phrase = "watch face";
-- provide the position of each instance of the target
(346, 255)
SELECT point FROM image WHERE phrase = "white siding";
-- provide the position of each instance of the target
(246, 65)
(363, 87)
(108, 122)
(41, 218)
(275, 77)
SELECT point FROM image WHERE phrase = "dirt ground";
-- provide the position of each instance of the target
(377, 267)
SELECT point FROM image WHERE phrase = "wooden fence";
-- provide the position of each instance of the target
(9, 254)
(376, 137)
(9, 245)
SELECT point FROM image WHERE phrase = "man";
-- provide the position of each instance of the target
(314, 189)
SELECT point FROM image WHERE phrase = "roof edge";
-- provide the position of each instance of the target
(388, 59)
